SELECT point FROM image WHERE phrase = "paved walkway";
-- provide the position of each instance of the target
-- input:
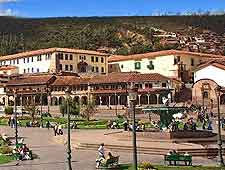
(53, 155)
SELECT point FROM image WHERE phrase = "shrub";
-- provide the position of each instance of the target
(146, 166)
(5, 150)
(8, 110)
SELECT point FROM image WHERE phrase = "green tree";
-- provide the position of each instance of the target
(73, 106)
(88, 110)
(8, 110)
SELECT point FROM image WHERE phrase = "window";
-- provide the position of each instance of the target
(66, 67)
(192, 62)
(93, 69)
(92, 58)
(84, 58)
(121, 66)
(39, 58)
(32, 59)
(137, 65)
(14, 61)
(102, 70)
(60, 66)
(96, 59)
(163, 84)
(71, 67)
(71, 57)
(150, 66)
(32, 69)
(148, 85)
(61, 56)
(66, 56)
(96, 69)
(28, 70)
(205, 94)
(80, 57)
(24, 70)
(102, 60)
(27, 60)
(37, 70)
(24, 60)
(10, 62)
(17, 61)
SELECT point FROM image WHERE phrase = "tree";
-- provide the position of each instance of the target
(8, 110)
(32, 110)
(73, 106)
(88, 110)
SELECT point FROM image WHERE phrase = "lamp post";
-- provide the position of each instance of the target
(68, 92)
(49, 98)
(15, 112)
(116, 101)
(133, 99)
(219, 139)
(41, 108)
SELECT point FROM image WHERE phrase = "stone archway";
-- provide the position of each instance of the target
(153, 99)
(114, 100)
(84, 100)
(123, 100)
(76, 99)
(144, 99)
(105, 100)
(97, 100)
(222, 99)
(61, 100)
(54, 101)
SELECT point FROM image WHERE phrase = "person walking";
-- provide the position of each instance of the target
(101, 151)
(60, 132)
(48, 124)
(55, 129)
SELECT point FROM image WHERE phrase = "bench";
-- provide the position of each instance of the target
(187, 159)
(109, 163)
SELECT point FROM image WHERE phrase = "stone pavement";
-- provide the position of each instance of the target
(53, 155)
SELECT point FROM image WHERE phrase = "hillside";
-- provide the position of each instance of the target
(121, 35)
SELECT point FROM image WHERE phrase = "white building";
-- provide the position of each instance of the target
(213, 70)
(56, 60)
(170, 63)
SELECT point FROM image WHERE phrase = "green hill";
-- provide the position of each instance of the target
(122, 35)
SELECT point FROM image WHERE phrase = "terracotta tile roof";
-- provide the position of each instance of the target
(8, 67)
(50, 50)
(219, 63)
(127, 77)
(69, 80)
(30, 80)
(115, 58)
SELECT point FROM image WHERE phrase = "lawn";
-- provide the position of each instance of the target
(5, 159)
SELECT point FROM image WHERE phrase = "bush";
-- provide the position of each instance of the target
(146, 166)
(5, 150)
(8, 110)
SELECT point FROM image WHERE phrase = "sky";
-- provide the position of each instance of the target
(84, 8)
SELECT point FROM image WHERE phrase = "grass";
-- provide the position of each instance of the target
(161, 167)
(5, 159)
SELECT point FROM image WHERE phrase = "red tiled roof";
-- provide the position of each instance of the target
(30, 80)
(219, 63)
(115, 58)
(8, 67)
(50, 50)
(69, 81)
(127, 77)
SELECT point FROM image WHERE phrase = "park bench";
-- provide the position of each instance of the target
(187, 159)
(109, 163)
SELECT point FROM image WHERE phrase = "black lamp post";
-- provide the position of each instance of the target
(41, 108)
(133, 99)
(15, 112)
(68, 92)
(219, 139)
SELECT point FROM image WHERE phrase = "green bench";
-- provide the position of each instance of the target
(187, 159)
(109, 163)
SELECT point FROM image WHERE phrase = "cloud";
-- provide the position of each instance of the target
(6, 12)
(7, 1)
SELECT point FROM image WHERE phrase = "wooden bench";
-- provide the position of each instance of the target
(109, 163)
(187, 159)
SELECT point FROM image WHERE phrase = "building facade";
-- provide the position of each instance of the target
(171, 63)
(54, 60)
(108, 91)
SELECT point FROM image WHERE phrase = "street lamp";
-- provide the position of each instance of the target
(133, 98)
(68, 92)
(41, 108)
(219, 139)
(15, 112)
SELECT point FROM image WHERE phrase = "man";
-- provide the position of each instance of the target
(101, 151)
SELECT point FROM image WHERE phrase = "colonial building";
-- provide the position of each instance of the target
(170, 63)
(207, 77)
(54, 60)
(108, 91)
